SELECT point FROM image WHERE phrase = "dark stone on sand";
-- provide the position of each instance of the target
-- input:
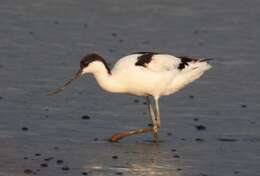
(179, 169)
(1, 96)
(199, 139)
(201, 127)
(119, 173)
(65, 168)
(150, 125)
(243, 106)
(173, 150)
(169, 134)
(114, 34)
(191, 96)
(201, 174)
(49, 159)
(136, 100)
(31, 33)
(37, 154)
(25, 128)
(227, 140)
(27, 171)
(44, 165)
(85, 117)
(95, 139)
(59, 161)
(196, 119)
(183, 139)
(25, 158)
(115, 157)
(121, 41)
(145, 103)
(236, 172)
(84, 173)
(176, 156)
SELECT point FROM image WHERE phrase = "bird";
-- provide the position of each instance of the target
(148, 74)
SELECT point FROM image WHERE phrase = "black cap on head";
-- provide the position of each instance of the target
(86, 60)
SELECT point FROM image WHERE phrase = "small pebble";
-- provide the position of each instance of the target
(25, 158)
(95, 139)
(169, 134)
(136, 100)
(115, 157)
(200, 127)
(227, 140)
(150, 125)
(201, 174)
(59, 162)
(119, 173)
(31, 33)
(121, 40)
(236, 172)
(85, 25)
(144, 103)
(84, 173)
(173, 150)
(1, 97)
(44, 165)
(176, 156)
(114, 34)
(243, 106)
(199, 139)
(56, 148)
(195, 119)
(85, 117)
(25, 128)
(191, 96)
(183, 139)
(27, 171)
(37, 154)
(56, 22)
(49, 159)
(65, 168)
(179, 169)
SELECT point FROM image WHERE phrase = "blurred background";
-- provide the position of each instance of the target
(211, 128)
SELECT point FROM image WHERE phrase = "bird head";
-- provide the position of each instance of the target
(88, 65)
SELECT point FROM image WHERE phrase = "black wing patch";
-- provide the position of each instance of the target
(145, 58)
(184, 61)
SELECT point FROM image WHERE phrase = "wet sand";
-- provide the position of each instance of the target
(211, 128)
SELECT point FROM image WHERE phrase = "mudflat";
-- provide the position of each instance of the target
(211, 128)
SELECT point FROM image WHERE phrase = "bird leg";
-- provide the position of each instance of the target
(121, 135)
(158, 118)
(153, 115)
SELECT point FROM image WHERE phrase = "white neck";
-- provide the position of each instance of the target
(106, 80)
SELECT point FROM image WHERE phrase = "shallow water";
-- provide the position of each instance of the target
(41, 45)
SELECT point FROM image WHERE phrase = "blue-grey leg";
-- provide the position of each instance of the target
(153, 115)
(158, 118)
